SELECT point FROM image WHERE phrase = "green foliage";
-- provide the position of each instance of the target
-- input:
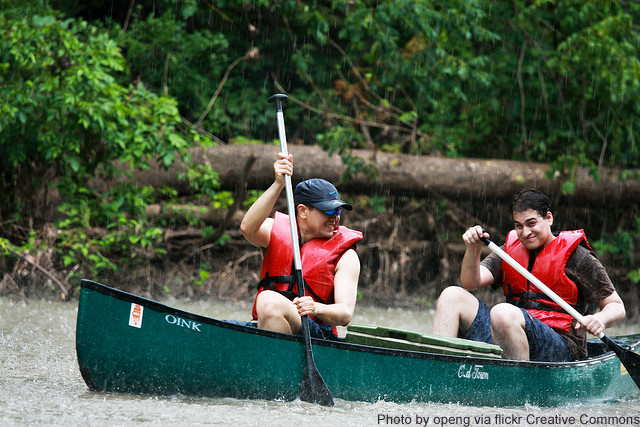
(577, 78)
(202, 178)
(337, 140)
(625, 244)
(516, 80)
(377, 203)
(252, 196)
(165, 56)
(122, 238)
(88, 86)
(417, 61)
(206, 183)
(203, 275)
(172, 48)
(65, 120)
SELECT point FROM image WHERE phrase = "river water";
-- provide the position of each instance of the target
(40, 384)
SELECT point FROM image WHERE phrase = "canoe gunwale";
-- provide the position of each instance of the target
(158, 306)
(129, 297)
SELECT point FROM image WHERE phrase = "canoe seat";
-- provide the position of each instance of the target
(380, 336)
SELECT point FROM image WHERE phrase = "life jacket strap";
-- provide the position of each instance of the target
(533, 300)
(269, 283)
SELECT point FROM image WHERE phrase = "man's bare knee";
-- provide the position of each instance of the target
(506, 316)
(508, 331)
(452, 295)
(455, 311)
(276, 312)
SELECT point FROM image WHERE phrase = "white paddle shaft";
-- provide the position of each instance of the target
(289, 190)
(533, 279)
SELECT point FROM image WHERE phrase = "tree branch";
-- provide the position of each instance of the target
(126, 21)
(523, 124)
(376, 124)
(252, 54)
(65, 293)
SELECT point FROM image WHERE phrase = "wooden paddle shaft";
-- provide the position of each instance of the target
(533, 279)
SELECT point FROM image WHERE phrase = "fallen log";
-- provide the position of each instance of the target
(401, 174)
(187, 213)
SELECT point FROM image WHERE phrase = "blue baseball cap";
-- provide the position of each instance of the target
(320, 194)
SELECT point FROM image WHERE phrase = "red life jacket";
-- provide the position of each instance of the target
(549, 267)
(318, 257)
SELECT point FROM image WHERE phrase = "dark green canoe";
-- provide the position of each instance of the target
(129, 344)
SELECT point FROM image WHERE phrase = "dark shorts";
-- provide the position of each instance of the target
(545, 344)
(480, 329)
(316, 330)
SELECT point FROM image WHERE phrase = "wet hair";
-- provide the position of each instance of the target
(530, 199)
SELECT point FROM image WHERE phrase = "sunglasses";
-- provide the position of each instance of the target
(336, 212)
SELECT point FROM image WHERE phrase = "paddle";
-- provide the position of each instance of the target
(629, 359)
(312, 388)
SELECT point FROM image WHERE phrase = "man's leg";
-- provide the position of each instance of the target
(508, 331)
(277, 313)
(455, 312)
(545, 344)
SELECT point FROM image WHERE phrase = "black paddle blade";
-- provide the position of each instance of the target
(313, 388)
(628, 358)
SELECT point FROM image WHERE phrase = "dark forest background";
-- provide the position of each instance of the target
(99, 99)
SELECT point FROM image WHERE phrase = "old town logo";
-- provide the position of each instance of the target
(473, 372)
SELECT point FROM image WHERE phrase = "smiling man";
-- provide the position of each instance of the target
(529, 326)
(330, 264)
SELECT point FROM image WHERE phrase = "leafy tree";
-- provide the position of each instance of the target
(400, 81)
(567, 77)
(542, 81)
(536, 80)
(65, 120)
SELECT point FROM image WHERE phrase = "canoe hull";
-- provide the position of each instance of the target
(130, 344)
(174, 352)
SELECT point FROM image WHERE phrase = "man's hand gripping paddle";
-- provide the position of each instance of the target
(312, 388)
(629, 359)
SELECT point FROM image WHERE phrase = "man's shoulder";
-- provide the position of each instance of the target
(581, 255)
(589, 274)
(350, 233)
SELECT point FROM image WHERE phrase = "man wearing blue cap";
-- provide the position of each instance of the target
(330, 264)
